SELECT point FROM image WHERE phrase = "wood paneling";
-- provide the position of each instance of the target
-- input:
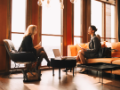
(39, 23)
(3, 66)
(67, 25)
(34, 19)
(65, 28)
(86, 19)
(88, 22)
(69, 22)
(116, 20)
(3, 20)
(3, 32)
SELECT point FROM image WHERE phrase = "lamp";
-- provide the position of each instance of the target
(73, 1)
(62, 6)
(40, 2)
(61, 2)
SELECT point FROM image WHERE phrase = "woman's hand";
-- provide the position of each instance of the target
(84, 49)
(38, 46)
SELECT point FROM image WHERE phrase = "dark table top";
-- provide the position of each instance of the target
(63, 63)
(100, 66)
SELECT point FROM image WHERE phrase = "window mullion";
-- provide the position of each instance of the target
(104, 20)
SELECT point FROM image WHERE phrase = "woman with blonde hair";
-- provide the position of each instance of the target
(27, 45)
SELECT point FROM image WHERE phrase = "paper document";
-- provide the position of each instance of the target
(40, 43)
(80, 46)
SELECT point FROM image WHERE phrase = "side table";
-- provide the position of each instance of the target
(65, 63)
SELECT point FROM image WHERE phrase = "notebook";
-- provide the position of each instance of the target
(58, 55)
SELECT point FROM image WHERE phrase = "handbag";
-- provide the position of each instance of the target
(31, 76)
(105, 52)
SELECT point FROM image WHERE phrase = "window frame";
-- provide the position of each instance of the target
(104, 22)
(10, 28)
(77, 36)
(55, 35)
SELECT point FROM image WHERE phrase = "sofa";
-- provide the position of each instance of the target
(72, 50)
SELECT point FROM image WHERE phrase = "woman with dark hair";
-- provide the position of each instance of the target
(94, 46)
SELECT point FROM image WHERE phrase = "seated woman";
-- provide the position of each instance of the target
(27, 45)
(94, 46)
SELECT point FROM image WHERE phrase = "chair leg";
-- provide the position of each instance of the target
(24, 75)
(39, 73)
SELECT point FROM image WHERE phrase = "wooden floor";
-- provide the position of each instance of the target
(67, 82)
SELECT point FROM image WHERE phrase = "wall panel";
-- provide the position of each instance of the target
(3, 29)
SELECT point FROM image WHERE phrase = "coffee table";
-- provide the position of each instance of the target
(100, 67)
(65, 63)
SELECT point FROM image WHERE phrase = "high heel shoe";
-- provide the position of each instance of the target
(83, 71)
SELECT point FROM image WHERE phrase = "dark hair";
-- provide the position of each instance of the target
(93, 28)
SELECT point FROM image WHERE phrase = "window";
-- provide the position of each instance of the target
(96, 16)
(77, 22)
(18, 23)
(106, 25)
(110, 27)
(51, 27)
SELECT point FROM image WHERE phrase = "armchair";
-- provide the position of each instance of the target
(21, 58)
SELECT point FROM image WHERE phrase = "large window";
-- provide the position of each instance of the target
(18, 23)
(110, 23)
(96, 16)
(102, 16)
(77, 22)
(51, 27)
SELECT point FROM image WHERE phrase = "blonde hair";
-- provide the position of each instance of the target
(30, 30)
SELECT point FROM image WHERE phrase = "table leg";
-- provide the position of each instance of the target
(53, 71)
(73, 71)
(59, 73)
(97, 74)
(102, 78)
(66, 71)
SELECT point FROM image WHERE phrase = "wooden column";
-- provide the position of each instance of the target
(116, 20)
(34, 18)
(67, 25)
(86, 19)
(39, 24)
(3, 33)
(69, 22)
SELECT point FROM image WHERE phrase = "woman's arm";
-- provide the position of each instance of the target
(97, 45)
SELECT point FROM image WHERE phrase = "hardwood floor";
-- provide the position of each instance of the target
(67, 82)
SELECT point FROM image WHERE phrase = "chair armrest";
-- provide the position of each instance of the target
(71, 50)
(23, 56)
(115, 50)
